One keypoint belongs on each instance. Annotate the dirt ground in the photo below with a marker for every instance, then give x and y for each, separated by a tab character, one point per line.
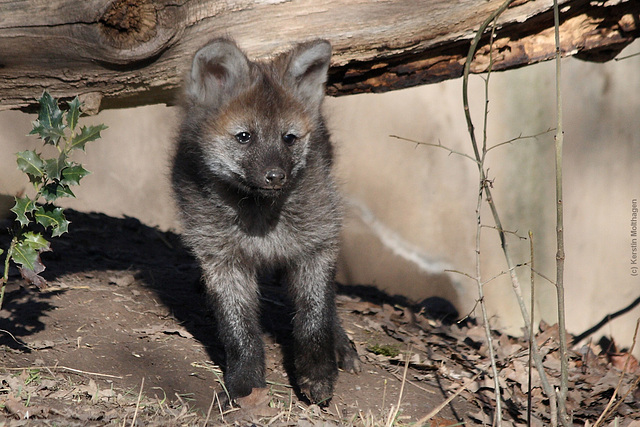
122	336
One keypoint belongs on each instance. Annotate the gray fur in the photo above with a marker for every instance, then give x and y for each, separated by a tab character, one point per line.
261	202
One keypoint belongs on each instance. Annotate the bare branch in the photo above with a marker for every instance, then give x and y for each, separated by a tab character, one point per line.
622	58
439	408
515	233
548	389
520	138
544	277
502	273
531	336
438	145
560	255
460	272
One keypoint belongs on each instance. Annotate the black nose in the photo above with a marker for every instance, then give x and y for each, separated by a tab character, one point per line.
275	178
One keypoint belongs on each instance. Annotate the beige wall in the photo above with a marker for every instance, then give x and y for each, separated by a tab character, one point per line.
412	208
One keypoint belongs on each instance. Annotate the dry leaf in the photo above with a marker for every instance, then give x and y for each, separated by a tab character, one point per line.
618	360
442	422
256	404
163	329
15	407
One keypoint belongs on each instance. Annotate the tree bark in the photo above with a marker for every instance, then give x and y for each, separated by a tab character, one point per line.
123	53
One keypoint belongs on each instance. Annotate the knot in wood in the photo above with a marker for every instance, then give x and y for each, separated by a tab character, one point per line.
128	23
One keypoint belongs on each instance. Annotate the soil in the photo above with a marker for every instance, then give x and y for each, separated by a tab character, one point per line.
122	335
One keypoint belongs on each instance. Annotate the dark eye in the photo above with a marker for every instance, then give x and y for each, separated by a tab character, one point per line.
243	137
289	138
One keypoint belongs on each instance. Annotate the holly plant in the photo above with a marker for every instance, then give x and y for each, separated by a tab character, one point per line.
51	178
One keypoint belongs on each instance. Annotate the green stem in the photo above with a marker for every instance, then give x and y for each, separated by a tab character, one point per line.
5	276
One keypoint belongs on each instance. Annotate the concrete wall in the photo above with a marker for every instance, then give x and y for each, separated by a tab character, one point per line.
412	207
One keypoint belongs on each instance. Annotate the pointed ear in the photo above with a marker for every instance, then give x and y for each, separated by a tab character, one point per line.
307	70
218	70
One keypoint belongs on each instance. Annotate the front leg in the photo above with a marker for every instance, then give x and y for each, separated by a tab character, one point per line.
311	285
234	293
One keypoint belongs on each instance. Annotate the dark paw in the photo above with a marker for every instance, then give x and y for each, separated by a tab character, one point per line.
224	400
346	353
240	381
319	392
348	360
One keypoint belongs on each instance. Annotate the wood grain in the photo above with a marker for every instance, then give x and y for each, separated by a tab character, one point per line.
122	53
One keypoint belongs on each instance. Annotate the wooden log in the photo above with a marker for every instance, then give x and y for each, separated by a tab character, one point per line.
123	53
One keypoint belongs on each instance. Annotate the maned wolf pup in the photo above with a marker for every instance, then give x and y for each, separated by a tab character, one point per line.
252	177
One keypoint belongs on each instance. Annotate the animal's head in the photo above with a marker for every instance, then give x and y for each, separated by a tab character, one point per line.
257	120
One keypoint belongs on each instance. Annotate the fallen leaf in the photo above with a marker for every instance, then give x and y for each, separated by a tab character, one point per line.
443	422
254	405
15	407
40	344
163	329
618	360
122	280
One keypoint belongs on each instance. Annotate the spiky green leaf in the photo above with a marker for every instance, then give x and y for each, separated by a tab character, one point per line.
30	163
23	206
54	167
74	113
87	134
52	217
49	135
73	174
55	190
49	114
25	255
49	125
36	241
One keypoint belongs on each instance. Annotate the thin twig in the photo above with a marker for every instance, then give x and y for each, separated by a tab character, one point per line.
473	309
398	377
213	400
632	387
544	277
461	273
520	138
135	414
502	273
438	145
448	400
622	58
482	186
290	404
16	340
529	374
548	389
560	255
66	368
394	411
515	233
